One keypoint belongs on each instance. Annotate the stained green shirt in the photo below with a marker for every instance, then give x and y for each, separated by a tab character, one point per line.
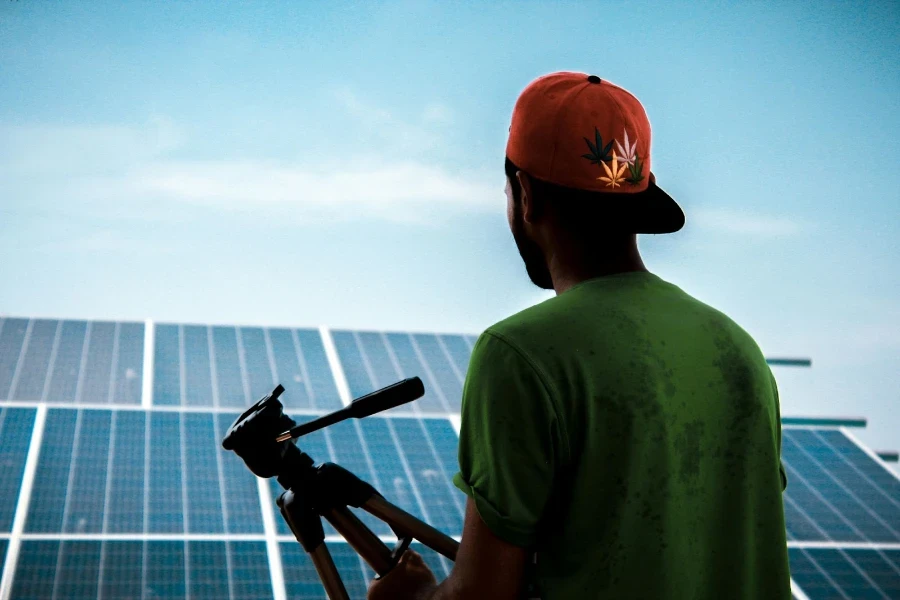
630	435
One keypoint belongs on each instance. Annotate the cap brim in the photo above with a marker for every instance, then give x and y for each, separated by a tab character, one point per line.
653	211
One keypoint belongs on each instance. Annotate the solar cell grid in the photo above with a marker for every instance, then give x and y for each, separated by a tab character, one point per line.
372	360
4	544
182	483
393	475
136	569
443	373
260	378
36	569
197	372
249	570
86	486
845	573
290	368
31	374
351	452
12	337
229	374
458	350
71	361
301	580
202	473
67	363
407	362
166	366
882	510
196	365
441	500
163	570
48	495
164	512
126	495
317	369
15	437
100	364
830	495
129	364
876	472
352	363
121	566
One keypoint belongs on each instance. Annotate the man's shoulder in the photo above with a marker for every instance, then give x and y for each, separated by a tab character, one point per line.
526	326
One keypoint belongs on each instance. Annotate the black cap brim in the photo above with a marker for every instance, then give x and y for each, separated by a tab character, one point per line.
652	211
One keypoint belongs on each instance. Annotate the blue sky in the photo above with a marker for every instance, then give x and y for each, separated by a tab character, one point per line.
341	164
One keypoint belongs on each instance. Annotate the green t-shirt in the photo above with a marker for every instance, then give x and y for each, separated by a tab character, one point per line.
630	435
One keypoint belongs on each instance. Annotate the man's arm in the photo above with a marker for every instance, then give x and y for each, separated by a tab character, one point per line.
486	567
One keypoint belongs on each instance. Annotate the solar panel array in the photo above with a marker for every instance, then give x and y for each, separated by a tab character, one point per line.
114	485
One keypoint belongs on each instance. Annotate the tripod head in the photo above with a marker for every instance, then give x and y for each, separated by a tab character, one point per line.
263	435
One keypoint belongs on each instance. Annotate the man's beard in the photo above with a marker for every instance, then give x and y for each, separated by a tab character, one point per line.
531	253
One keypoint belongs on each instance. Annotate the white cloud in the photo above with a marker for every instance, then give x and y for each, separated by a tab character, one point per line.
392	190
122	171
744	222
83	150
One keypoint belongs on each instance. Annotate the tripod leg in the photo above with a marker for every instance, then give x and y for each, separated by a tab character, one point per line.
306	525
373	550
328	573
404	522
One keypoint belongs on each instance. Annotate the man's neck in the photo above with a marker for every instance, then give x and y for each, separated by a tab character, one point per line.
568	269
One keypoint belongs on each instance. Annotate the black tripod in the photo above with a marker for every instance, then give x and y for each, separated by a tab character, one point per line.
263	438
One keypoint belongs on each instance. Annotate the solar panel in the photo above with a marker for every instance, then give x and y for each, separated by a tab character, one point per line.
130	501
835	495
15	435
196	365
84	362
76	569
169	475
846	572
372	360
12	335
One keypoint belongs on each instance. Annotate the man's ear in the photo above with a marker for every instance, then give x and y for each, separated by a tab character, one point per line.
530	208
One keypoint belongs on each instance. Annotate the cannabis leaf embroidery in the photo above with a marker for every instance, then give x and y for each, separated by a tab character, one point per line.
634	170
599	153
614	175
628	151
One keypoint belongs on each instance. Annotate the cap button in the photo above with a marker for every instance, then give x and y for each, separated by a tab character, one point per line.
593	79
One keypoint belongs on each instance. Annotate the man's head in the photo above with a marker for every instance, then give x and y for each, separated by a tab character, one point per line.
551	222
579	185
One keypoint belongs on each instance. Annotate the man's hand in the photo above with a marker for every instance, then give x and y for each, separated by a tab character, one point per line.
410	579
486	568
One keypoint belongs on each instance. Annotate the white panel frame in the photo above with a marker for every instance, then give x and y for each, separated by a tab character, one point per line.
15	538
797	591
276	569
871	453
334	361
147	369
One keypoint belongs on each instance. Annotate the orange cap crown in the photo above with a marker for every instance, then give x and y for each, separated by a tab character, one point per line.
579	131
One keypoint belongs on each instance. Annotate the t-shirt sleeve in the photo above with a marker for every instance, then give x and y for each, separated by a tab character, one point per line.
778	425
510	442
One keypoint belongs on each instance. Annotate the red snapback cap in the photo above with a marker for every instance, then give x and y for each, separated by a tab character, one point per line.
579	131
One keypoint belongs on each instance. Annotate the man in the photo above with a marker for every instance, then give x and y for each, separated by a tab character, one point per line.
622	439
